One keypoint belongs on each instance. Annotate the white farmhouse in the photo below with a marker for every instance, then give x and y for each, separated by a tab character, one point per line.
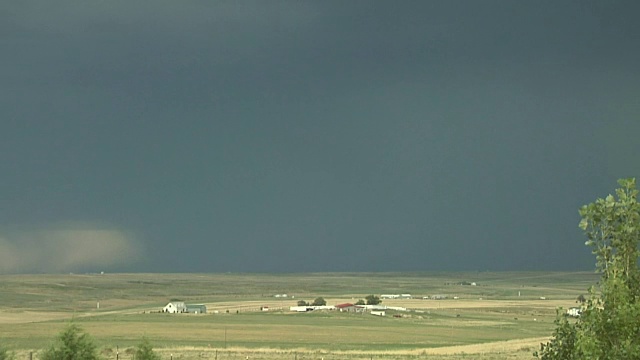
175	307
574	312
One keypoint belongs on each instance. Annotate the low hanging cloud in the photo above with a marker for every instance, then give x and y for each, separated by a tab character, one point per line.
63	248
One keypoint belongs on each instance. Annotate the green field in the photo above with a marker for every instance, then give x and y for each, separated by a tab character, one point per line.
504	313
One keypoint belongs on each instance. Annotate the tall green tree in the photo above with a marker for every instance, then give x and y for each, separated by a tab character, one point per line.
72	344
609	326
319	301
144	351
373	300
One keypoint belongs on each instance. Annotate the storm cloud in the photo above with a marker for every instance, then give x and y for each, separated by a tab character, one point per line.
288	136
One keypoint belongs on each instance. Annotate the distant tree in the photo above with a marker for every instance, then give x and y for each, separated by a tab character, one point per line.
373	300
360	302
302	303
5	354
581	299
607	328
72	344
144	351
319	302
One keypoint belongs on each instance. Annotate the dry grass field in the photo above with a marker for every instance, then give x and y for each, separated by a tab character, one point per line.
503	317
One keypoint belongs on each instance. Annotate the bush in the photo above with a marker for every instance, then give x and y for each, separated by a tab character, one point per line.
5	354
144	351
72	344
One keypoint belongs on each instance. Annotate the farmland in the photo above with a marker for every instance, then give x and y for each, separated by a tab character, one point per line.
505	316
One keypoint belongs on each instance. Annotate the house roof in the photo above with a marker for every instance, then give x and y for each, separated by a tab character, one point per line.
342	306
176	303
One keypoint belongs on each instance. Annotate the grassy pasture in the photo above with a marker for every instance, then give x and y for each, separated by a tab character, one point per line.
502	316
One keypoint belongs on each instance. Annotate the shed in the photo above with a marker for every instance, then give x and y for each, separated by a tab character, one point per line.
300	308
348	307
196	308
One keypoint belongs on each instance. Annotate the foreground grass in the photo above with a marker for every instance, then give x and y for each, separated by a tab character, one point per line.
331	330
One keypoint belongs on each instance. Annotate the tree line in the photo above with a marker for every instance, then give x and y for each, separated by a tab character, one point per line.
320	301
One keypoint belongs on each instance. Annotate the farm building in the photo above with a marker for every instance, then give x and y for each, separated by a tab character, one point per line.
180	307
196	309
175	307
397	308
300	308
348	307
574	312
311	308
395	296
389	296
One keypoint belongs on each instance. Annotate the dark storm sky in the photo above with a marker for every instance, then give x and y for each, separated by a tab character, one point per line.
289	136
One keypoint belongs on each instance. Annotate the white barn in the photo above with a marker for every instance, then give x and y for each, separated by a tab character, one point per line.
175	307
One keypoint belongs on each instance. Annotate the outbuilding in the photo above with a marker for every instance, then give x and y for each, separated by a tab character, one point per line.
196	308
348	307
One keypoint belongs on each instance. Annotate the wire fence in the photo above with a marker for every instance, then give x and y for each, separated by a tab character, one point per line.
227	354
